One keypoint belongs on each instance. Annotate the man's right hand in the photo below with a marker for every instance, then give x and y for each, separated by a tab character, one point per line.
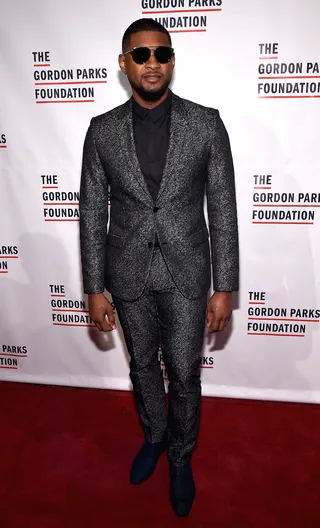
99	307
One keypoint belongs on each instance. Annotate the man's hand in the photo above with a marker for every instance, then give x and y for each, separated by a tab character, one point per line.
99	307
219	311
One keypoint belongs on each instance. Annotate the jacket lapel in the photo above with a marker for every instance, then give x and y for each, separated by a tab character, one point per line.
178	130
126	138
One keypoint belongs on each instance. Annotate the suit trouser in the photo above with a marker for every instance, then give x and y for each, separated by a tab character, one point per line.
162	316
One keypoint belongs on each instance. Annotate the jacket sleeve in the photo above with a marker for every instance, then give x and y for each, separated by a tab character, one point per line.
93	207
222	211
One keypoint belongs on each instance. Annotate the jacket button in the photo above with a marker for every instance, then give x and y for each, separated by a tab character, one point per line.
150	244
155	209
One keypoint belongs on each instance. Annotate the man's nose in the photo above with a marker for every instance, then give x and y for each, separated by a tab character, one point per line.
152	61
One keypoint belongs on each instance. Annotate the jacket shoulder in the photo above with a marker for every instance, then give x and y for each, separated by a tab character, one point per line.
200	116
198	111
111	115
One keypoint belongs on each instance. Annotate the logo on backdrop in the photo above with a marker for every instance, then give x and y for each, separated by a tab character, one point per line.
8	255
58	205
285	80
72	85
206	362
67	311
276	321
10	355
181	16
270	207
3	141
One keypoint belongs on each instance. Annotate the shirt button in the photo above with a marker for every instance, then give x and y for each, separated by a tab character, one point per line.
155	209
150	244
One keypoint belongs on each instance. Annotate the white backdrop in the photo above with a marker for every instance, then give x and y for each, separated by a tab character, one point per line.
254	60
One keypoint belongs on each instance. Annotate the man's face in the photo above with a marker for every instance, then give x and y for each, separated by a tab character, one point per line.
151	79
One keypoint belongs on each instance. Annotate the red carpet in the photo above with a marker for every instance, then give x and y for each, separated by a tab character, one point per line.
66	453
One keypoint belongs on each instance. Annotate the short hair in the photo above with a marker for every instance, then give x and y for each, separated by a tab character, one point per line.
143	24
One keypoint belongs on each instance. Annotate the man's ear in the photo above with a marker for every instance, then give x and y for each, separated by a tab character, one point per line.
122	63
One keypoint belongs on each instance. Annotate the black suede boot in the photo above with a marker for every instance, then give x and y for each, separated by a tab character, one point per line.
182	489
145	461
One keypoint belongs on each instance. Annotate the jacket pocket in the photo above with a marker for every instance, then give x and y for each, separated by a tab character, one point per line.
200	236
115	240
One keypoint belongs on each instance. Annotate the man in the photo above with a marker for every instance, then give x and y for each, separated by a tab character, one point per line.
159	154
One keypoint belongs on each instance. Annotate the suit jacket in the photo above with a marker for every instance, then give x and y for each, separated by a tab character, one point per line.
198	161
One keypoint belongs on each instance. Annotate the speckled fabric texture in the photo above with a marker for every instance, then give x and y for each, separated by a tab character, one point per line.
198	161
162	315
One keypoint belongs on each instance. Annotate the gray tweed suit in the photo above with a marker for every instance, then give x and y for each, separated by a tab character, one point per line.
161	293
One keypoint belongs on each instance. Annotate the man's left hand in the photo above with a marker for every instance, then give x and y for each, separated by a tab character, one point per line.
219	311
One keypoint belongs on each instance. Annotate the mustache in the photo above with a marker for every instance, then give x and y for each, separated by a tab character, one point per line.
152	74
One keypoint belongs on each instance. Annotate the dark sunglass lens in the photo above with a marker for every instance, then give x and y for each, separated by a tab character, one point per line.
141	55
163	54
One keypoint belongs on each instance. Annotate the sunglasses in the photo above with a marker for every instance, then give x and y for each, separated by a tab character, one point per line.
142	54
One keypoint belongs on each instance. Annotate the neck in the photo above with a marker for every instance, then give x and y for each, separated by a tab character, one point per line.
149	104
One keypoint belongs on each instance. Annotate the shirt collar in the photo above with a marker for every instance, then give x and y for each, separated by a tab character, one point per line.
155	113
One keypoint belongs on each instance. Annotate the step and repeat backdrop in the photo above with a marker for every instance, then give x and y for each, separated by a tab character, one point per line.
258	62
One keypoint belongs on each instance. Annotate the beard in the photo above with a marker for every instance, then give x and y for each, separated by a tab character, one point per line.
152	95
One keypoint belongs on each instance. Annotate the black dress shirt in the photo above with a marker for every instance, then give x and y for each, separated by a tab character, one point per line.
151	133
